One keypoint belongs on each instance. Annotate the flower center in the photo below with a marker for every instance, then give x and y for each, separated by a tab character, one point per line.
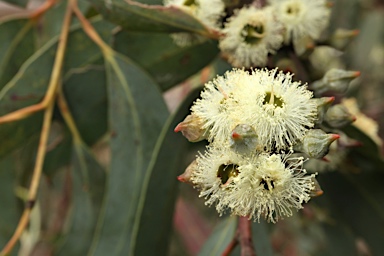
253	34
267	183
227	171
190	3
272	99
293	9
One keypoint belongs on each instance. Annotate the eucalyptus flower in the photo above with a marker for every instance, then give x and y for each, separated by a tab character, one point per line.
264	185
302	19
250	35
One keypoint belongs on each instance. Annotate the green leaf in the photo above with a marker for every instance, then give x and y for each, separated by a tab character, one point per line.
17	37
30	83
137	114
88	184
358	201
168	63
86	96
10	212
369	149
50	24
261	239
136	16
60	147
158	193
220	238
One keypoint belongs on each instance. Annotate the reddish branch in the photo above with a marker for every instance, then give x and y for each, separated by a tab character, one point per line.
243	236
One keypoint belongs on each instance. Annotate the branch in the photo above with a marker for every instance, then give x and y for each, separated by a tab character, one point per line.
243	236
41	151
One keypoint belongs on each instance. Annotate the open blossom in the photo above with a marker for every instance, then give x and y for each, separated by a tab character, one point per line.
218	97
257	186
278	109
302	18
214	172
250	35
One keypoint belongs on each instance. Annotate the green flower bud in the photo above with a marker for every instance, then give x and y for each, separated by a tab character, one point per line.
336	80
323	105
342	37
243	138
315	143
338	116
192	128
303	45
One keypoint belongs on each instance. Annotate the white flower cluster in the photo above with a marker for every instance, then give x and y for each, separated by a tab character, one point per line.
253	121
250	33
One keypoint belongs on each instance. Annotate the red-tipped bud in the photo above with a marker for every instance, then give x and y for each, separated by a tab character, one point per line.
192	128
315	143
186	176
243	138
338	116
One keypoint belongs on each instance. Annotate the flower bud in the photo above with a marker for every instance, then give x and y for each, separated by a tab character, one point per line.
316	191
315	143
303	45
342	37
336	80
192	128
186	176
338	116
323	105
243	138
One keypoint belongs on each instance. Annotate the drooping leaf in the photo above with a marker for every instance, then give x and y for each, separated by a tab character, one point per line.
51	21
137	114
59	148
17	44
168	63
357	200
159	189
220	238
88	184
136	16
369	148
9	215
86	96
30	83
261	239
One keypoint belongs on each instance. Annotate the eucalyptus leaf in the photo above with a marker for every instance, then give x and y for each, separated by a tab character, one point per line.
9	215
168	63
88	184
136	16
17	44
86	94
137	114
29	85
159	189
358	201
220	237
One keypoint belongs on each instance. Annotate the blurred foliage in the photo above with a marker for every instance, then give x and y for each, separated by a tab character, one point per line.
124	205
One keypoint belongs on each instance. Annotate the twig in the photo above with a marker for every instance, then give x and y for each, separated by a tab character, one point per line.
41	151
243	236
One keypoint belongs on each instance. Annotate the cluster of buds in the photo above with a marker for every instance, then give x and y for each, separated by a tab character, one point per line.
261	127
